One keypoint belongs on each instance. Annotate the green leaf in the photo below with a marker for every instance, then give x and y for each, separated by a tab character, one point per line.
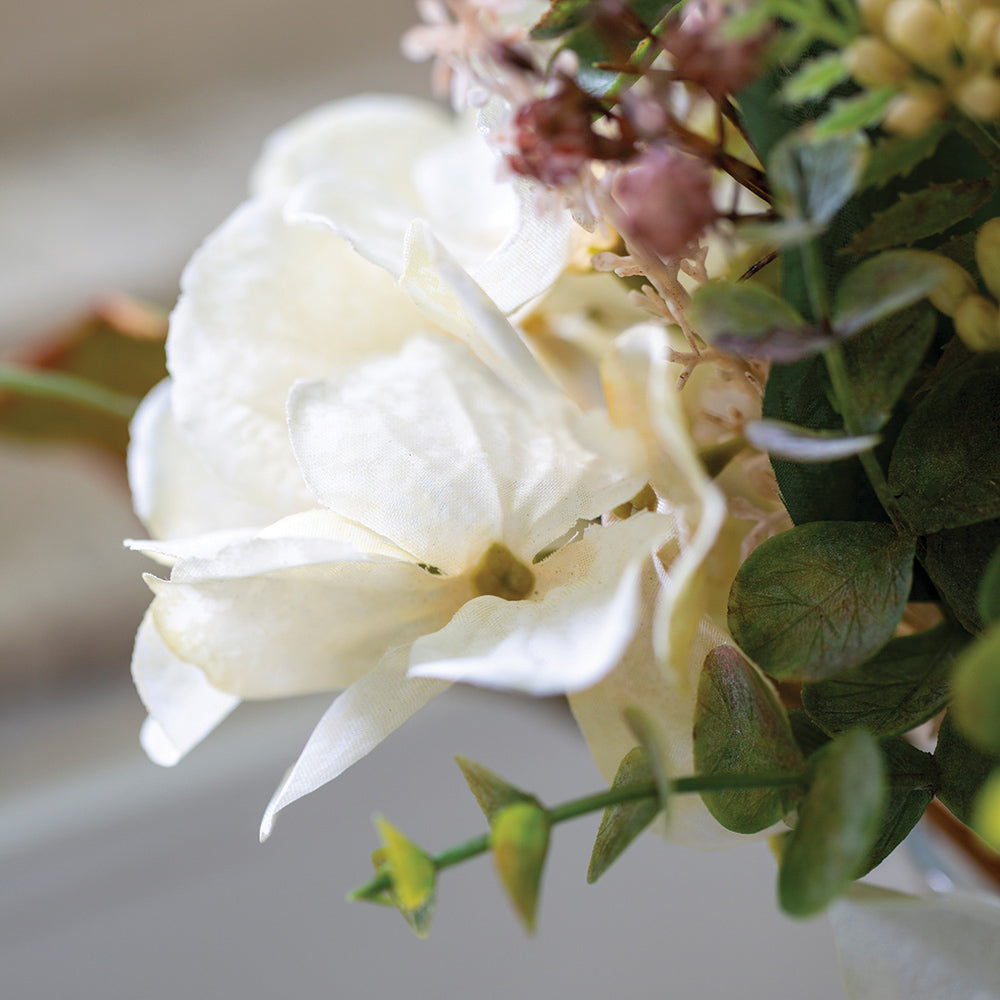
989	589
740	727
821	598
849	114
622	823
413	875
919	214
962	770
883	285
110	357
814	79
744	318
903	685
956	561
646	731
882	359
814	179
491	792
808	735
520	841
986	813
946	464
839	821
800	444
976	691
911	778
896	156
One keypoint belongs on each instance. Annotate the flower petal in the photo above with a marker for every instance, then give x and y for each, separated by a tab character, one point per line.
364	715
569	634
430	449
263	304
276	617
898	947
183	706
175	491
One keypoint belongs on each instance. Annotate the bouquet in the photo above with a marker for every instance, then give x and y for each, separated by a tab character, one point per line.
661	373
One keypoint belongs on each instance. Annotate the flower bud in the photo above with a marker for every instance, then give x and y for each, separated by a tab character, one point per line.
956	285
988	255
912	114
873	64
979	97
983	24
873	12
920	30
976	322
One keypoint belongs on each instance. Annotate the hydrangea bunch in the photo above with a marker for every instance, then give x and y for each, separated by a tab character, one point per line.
659	376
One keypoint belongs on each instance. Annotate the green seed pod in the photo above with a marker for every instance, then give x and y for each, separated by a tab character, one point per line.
912	114
988	255
873	64
920	30
983	24
979	97
872	13
976	322
956	285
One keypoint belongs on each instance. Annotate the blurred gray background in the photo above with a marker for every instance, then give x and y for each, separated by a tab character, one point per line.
128	133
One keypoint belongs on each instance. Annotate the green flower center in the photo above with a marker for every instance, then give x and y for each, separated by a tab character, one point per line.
501	574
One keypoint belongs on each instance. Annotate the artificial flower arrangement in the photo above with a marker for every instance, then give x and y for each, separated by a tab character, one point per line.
663	375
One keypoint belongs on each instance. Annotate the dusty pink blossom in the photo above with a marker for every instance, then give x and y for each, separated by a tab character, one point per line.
702	54
665	200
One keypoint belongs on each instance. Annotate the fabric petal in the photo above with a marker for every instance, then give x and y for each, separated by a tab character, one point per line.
898	947
277	617
364	715
263	304
430	449
569	634
183	706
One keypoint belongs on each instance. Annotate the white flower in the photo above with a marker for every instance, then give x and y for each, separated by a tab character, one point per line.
439	484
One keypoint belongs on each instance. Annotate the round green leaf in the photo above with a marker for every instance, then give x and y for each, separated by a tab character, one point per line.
839	821
821	598
976	691
740	727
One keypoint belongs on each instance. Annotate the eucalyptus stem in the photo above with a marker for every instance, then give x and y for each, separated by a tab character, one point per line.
63	388
836	367
587	804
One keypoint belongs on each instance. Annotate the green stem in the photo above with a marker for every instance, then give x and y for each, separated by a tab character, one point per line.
836	367
64	388
588	804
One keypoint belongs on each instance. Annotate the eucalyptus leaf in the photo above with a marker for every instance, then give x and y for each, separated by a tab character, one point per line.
957	561
491	792
740	727
912	777
808	735
901	686
520	840
976	691
647	732
839	822
883	285
800	444
744	318
986	813
413	875
945	467
622	823
814	180
882	360
989	589
821	598
962	770
917	215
